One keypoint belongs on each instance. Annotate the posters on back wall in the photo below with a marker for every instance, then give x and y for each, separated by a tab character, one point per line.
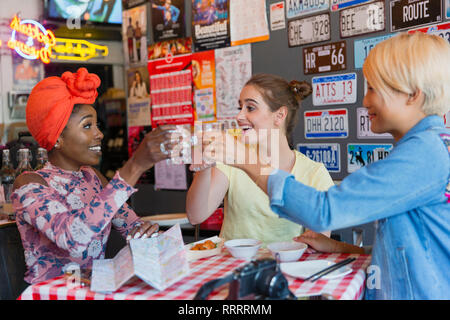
219	27
210	24
138	97
171	90
248	21
169	48
134	35
204	79
233	69
167	19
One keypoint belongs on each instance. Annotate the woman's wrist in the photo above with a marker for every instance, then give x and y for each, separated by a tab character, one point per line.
132	171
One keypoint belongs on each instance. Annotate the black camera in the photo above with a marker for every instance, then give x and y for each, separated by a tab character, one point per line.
257	280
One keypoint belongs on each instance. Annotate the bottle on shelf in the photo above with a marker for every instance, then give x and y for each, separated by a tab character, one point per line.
41	158
7	174
24	162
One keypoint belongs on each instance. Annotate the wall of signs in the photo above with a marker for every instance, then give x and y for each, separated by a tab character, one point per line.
322	41
326	42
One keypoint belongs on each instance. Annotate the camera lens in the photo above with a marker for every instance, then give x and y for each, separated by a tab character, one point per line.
272	284
278	287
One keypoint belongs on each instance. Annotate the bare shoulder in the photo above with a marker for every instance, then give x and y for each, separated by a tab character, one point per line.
102	178
27	178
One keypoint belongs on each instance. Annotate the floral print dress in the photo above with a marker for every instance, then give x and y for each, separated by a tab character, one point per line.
69	220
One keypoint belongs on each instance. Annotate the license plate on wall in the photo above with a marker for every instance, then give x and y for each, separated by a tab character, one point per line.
337	89
362	19
330	123
297	8
325	58
309	30
441	30
363	47
406	14
327	153
341	4
364	126
360	155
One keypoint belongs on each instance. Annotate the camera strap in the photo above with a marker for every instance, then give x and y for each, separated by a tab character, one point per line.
209	286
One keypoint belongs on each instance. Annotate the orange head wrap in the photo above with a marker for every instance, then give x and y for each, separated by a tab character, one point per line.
51	102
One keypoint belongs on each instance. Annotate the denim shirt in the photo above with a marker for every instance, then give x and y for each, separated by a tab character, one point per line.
406	194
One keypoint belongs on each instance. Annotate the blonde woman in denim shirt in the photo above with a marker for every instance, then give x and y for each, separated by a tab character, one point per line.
408	192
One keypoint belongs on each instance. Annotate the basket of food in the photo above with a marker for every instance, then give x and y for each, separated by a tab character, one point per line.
204	248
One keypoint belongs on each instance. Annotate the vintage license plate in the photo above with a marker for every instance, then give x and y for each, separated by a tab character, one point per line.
309	30
447	9
337	89
363	47
406	14
325	58
327	153
298	8
330	123
442	30
341	4
363	126
360	155
362	19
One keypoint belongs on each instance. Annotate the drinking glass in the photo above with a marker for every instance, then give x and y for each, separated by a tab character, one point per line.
200	161
181	154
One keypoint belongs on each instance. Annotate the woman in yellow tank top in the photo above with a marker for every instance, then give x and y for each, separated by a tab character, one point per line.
267	104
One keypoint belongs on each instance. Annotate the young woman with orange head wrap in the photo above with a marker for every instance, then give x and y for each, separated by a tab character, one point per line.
65	211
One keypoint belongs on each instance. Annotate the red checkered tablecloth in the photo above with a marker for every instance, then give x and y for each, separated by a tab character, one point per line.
349	287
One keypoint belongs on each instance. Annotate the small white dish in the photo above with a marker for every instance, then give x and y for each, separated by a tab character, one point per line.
243	248
305	269
288	250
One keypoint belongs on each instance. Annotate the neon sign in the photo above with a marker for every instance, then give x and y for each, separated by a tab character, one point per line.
77	50
34	32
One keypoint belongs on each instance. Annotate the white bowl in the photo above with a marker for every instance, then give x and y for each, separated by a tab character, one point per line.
243	248
288	250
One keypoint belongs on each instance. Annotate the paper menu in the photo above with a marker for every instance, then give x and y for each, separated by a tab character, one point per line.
108	275
168	250
159	261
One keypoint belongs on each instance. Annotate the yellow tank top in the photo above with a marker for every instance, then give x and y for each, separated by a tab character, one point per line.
247	213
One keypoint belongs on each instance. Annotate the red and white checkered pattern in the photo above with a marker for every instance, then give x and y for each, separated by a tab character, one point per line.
348	287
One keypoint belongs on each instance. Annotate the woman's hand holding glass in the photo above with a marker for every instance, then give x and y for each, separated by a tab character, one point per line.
229	148
203	134
182	140
150	150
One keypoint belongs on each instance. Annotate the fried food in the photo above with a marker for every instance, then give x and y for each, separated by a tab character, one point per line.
207	245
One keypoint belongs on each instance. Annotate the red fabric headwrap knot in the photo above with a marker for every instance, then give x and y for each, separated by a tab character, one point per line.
51	102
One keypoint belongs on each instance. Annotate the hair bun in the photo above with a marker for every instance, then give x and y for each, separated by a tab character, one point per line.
301	89
82	83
